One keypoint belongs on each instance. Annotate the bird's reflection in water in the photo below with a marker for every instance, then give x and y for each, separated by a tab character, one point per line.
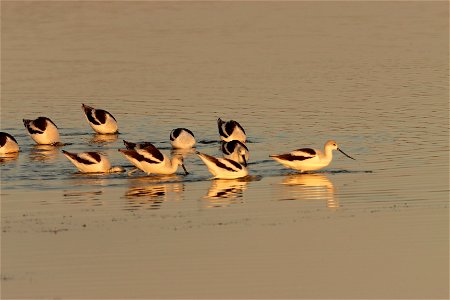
225	192
152	192
44	152
182	152
8	157
87	189
103	138
310	187
87	198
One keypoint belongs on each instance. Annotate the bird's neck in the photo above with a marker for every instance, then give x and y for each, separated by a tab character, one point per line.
328	154
174	163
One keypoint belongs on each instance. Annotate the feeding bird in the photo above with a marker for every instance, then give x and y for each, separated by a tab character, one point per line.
235	150
91	162
182	138
100	120
8	143
146	157
231	130
222	167
42	130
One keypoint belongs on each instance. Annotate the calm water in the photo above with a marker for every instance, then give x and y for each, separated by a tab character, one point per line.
373	76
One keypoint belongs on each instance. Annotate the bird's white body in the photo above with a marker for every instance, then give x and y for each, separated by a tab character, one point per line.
42	130
91	162
182	138
150	160
231	130
100	120
8	143
235	150
307	159
223	168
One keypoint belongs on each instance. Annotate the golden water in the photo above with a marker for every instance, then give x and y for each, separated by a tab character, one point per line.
371	75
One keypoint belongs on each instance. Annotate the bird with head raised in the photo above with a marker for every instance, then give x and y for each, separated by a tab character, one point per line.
42	130
91	162
307	159
100	120
148	158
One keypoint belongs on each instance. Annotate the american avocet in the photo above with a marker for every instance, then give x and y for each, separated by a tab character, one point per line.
231	130
307	159
149	159
235	150
8	143
91	162
222	167
182	138
100	120
42	130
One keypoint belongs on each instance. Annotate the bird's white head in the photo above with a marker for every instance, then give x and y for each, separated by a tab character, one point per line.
332	145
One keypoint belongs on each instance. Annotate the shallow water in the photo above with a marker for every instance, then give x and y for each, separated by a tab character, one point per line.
373	76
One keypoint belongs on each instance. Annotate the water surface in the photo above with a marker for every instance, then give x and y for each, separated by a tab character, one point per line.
371	75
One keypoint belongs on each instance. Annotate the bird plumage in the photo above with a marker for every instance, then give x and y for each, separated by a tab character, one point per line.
182	138
42	130
91	162
235	150
222	167
231	130
8	143
100	120
149	159
307	159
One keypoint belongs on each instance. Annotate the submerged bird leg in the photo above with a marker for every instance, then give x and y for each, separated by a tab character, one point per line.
184	168
132	171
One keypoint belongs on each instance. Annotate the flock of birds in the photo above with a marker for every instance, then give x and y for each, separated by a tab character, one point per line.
149	159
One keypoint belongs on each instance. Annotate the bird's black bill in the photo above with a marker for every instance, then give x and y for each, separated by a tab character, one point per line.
185	171
346	154
245	161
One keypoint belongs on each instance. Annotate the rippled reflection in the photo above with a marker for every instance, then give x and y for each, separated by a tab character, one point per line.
310	187
44	152
152	196
225	192
89	198
103	138
8	157
182	152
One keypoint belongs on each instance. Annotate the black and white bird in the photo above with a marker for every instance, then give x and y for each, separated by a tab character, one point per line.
8	143
146	157
42	130
182	138
231	130
235	150
222	167
307	159
92	162
100	120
